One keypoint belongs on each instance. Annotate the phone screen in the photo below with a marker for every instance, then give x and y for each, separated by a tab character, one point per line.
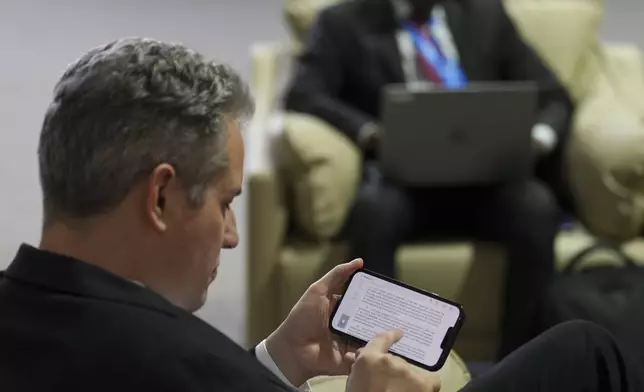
372	304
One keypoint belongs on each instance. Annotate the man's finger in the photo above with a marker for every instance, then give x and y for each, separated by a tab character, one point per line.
351	348
347	346
334	300
338	276
350	358
383	341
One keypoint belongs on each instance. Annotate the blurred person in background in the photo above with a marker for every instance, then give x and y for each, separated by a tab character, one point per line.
141	155
358	47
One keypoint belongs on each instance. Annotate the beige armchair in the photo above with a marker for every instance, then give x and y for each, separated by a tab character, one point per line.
302	171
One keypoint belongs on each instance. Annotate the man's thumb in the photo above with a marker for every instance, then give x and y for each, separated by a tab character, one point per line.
340	273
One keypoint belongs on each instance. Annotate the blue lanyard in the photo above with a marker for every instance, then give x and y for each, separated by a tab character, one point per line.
449	70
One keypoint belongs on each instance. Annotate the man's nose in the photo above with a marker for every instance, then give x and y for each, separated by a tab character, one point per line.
231	237
231	240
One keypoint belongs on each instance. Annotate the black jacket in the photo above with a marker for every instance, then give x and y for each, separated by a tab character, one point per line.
352	53
71	327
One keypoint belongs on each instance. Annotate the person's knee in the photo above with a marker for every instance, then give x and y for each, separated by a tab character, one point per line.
571	346
381	209
533	200
578	332
591	330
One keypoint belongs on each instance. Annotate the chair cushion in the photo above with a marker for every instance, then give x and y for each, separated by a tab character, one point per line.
323	169
607	155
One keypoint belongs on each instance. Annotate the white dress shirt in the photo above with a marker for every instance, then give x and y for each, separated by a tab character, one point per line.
265	359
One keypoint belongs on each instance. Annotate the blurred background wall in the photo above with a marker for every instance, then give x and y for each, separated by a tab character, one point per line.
38	38
623	21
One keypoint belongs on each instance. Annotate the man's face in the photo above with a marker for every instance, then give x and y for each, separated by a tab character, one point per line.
195	236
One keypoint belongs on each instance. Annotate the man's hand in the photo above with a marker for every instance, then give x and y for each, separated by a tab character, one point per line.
303	346
377	371
372	142
369	137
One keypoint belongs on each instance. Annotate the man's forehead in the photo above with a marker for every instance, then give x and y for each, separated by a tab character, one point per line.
235	149
230	182
232	178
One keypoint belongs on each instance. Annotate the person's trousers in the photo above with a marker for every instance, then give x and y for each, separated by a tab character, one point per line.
573	357
523	216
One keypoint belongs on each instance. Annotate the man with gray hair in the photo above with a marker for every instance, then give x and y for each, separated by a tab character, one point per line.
141	156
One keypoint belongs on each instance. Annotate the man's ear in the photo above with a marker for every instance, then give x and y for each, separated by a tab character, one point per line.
160	182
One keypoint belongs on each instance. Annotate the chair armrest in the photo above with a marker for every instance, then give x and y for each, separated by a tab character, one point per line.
266	212
323	169
267	219
605	154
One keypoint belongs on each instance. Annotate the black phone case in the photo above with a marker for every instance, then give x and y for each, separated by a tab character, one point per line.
448	341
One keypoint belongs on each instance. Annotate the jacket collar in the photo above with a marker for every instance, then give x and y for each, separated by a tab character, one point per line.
402	9
67	275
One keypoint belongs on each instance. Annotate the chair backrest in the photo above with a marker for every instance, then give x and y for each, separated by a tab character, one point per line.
565	34
300	15
562	31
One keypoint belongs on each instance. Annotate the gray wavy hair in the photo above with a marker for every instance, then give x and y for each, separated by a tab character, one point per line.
124	108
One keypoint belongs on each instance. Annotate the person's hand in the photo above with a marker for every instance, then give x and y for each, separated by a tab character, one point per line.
372	142
375	370
369	137
303	346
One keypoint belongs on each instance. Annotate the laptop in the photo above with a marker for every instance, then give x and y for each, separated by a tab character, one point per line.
474	136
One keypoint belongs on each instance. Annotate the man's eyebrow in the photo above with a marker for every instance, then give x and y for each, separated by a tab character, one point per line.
232	193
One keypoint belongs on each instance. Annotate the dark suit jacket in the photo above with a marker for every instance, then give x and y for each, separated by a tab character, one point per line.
352	53
69	326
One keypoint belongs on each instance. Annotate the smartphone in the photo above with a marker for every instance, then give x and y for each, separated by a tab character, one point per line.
373	303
